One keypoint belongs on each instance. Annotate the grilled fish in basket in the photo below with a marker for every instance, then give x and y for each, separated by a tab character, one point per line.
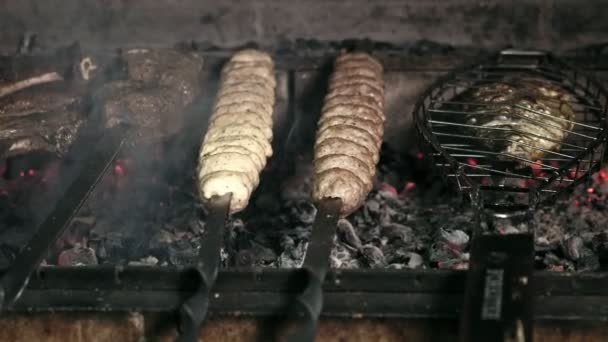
519	118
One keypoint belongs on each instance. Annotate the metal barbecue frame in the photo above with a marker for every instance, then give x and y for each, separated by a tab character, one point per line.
271	292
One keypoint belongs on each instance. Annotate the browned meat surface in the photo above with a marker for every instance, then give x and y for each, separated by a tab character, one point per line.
238	139
350	132
160	84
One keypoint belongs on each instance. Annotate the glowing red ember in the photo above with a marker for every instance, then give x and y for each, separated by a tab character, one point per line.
472	161
590	190
388	188
603	174
409	186
419	155
119	169
536	168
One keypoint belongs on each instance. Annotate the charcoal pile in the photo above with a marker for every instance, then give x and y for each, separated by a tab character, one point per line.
411	220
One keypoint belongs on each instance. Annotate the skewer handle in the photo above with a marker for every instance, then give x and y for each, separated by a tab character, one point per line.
194	310
316	263
498	296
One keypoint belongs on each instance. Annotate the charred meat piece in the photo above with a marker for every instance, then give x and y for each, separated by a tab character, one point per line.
239	136
43	118
160	84
520	118
350	132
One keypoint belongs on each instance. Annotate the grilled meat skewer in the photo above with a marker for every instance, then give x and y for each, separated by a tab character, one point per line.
238	139
350	132
520	118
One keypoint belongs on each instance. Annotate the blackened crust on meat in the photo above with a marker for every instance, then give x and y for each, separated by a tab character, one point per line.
160	84
43	118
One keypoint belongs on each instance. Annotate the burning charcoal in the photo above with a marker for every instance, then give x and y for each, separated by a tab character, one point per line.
147	261
304	211
196	225
368	231
342	257
555	263
161	239
573	247
287	242
397	231
372	205
456	239
542	244
100	249
588	261
415	261
385	218
182	253
388	193
348	234
244	258
293	257
77	256
396	266
299	232
46	118
449	256
263	255
373	256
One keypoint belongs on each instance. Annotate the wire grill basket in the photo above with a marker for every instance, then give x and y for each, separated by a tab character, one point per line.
473	156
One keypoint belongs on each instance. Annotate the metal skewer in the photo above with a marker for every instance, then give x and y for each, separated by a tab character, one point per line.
194	310
309	302
17	277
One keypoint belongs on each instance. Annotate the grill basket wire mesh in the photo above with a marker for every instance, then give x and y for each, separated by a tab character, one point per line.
494	180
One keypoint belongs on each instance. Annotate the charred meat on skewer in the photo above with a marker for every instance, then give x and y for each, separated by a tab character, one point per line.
44	118
520	117
159	84
43	102
350	132
239	135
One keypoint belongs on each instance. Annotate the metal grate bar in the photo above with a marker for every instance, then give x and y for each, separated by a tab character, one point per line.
447	123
